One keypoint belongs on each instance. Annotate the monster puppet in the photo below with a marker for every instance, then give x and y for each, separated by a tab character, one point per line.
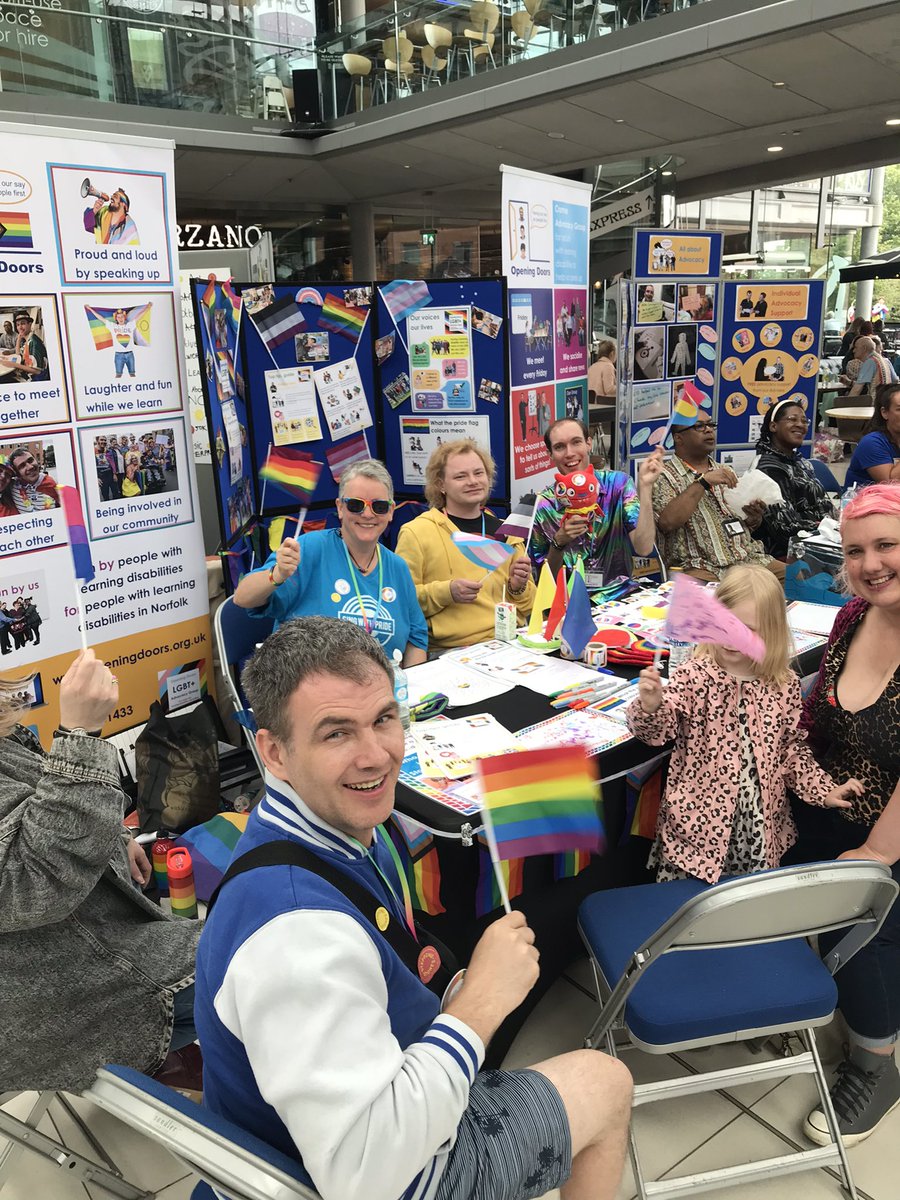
577	493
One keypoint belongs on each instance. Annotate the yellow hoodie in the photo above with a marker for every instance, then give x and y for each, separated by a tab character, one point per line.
433	560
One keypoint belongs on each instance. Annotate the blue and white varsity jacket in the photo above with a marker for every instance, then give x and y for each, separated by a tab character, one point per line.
315	1036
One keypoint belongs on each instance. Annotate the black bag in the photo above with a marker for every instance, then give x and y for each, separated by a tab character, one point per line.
177	769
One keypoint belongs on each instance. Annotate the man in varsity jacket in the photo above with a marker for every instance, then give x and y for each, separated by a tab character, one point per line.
331	1027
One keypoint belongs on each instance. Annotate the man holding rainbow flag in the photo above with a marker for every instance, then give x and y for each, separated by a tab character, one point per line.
333	1027
697	531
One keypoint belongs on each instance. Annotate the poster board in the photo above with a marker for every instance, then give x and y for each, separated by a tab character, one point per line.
545	240
95	397
461	330
672	332
771	336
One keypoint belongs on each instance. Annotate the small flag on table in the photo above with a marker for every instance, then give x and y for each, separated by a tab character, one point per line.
78	538
539	802
402	297
293	470
578	625
518	523
483	551
559	605
342	318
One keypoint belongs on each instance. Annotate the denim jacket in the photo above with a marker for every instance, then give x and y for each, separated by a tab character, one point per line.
88	966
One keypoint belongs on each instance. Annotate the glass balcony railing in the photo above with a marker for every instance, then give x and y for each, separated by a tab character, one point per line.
237	59
399	50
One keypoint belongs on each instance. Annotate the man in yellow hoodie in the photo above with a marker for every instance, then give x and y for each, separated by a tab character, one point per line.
457	597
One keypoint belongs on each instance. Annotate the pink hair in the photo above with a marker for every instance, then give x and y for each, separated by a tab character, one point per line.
876	500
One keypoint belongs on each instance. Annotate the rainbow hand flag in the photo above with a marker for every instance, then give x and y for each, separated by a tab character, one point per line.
482	551
540	802
293	470
340	317
78	538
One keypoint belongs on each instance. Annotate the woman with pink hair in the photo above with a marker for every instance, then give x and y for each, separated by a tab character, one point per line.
853	718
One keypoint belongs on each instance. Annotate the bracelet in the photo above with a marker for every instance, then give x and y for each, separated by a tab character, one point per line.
555	544
274	582
518	591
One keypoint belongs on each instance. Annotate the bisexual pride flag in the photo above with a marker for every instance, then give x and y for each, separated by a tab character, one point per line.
540	802
78	538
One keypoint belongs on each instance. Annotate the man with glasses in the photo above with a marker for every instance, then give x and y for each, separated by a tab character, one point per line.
698	533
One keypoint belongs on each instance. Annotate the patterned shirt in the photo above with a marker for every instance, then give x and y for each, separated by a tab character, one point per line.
702	543
606	547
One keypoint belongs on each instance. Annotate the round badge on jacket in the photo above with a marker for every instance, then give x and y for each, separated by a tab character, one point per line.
429	962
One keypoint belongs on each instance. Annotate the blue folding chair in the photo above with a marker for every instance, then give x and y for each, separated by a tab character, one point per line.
236	1163
681	965
237	635
825	476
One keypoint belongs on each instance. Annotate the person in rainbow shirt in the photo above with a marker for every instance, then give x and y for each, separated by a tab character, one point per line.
109	221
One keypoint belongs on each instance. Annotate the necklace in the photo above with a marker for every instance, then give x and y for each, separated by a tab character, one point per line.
363	570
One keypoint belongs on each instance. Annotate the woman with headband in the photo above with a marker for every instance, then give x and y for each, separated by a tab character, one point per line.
804	502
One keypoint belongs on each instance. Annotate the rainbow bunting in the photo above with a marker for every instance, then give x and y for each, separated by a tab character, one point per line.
541	801
78	538
15	231
482	551
570	864
293	470
342	318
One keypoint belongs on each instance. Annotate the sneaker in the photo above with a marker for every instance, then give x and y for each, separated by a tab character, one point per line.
183	1071
866	1089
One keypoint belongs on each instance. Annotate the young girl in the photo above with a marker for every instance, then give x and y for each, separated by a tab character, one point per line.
737	745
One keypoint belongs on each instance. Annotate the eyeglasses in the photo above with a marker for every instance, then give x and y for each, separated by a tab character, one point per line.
380	508
704	425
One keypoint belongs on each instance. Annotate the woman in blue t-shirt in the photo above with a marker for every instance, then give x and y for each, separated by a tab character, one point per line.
877	457
346	572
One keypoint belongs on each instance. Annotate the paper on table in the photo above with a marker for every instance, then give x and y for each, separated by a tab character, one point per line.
811	618
460	684
448	749
517	667
584	727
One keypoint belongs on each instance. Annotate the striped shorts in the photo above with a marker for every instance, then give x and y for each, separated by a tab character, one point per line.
513	1141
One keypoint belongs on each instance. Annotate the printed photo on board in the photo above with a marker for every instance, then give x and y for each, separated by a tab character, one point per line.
649	351
129	465
26	483
20	625
655	302
696	302
681	351
23	350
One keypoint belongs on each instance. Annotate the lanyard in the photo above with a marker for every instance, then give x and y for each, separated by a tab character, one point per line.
362	610
406	903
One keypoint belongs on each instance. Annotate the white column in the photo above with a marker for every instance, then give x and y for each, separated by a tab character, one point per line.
869	243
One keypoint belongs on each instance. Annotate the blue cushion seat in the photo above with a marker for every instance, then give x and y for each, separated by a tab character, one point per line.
216	1124
693	995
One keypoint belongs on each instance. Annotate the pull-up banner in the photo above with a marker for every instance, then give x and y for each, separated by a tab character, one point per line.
545	260
92	396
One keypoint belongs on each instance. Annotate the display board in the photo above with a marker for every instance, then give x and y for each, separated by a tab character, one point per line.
771	335
304	377
672	331
93	397
441	350
546	243
218	316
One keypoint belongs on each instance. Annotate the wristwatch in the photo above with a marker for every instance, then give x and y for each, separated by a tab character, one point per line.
78	731
556	546
704	482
